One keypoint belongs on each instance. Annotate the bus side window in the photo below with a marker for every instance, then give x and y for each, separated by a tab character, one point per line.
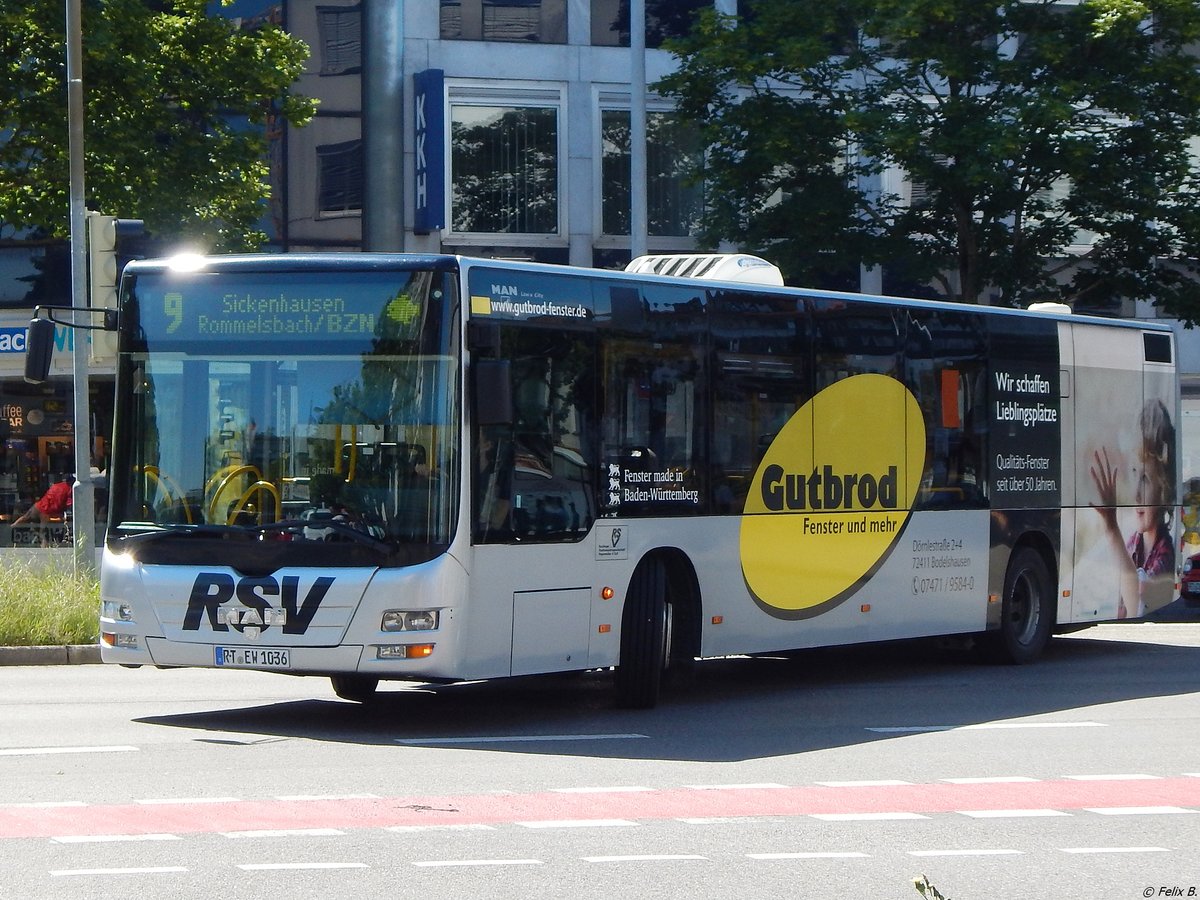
760	378
945	356
535	479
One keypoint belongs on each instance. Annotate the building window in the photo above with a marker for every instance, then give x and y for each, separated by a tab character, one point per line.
673	150
533	21
340	29
504	169
665	19
340	179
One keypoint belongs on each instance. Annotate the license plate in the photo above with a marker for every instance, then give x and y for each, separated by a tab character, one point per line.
1192	587
253	657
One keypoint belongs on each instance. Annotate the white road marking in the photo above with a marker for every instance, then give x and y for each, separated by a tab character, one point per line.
766	785
276	867
111	838
578	823
519	738
162	801
649	857
299	798
979	852
50	751
1011	813
480	862
998	779
1114	850
1112	777
1139	810
865	817
284	832
45	804
602	790
825	855
720	820
916	729
852	784
148	870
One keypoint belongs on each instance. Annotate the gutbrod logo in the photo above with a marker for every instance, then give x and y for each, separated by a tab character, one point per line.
832	495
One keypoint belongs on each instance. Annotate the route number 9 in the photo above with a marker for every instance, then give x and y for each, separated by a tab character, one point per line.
173	307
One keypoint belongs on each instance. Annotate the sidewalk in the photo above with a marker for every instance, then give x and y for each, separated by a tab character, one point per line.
61	655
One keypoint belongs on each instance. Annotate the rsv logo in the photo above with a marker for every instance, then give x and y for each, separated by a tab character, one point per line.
212	590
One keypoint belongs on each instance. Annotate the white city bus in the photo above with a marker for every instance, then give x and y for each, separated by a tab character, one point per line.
434	468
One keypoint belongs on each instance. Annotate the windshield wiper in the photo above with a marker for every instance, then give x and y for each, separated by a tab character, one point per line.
256	532
155	532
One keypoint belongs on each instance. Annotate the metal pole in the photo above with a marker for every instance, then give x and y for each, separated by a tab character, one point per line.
638	241
383	124
82	496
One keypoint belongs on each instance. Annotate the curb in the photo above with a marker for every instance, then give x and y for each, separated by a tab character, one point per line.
68	654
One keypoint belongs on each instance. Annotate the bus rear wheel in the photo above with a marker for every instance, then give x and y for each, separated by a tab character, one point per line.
1027	611
645	638
357	688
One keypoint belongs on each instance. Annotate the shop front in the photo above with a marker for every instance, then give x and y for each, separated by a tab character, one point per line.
37	441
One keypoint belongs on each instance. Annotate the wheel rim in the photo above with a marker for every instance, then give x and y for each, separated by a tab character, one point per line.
1026	608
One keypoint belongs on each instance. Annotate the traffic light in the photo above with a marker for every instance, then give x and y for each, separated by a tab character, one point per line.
108	249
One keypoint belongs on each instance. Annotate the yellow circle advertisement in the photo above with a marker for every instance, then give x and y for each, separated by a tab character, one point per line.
832	495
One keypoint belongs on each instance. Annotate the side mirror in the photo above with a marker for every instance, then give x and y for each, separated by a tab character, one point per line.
39	348
492	383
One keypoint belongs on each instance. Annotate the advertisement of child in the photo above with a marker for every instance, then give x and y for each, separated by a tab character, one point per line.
1148	555
1126	480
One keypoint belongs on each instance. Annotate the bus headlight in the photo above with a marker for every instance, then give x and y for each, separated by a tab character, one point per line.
403	651
116	611
409	620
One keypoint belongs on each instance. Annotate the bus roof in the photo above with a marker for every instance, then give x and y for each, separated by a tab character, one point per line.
353	261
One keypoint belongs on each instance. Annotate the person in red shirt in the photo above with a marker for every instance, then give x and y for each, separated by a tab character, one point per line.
52	505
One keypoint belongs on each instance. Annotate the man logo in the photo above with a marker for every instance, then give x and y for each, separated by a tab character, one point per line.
832	495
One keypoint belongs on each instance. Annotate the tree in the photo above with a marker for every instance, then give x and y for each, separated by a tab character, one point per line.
1048	144
177	103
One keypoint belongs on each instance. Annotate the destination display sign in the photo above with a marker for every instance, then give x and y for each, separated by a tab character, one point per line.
353	309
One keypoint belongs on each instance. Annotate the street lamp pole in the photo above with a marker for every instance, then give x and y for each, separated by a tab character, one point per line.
638	241
82	496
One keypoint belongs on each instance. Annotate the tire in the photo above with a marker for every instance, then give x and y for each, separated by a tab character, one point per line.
357	688
645	636
1027	611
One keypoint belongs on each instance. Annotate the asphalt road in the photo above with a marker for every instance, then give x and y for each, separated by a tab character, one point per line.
826	774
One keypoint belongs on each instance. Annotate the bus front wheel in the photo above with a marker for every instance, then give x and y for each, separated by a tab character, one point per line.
358	688
645	638
1027	611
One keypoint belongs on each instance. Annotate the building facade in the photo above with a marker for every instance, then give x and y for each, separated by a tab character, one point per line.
492	127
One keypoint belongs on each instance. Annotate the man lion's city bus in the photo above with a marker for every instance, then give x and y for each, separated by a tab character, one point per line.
425	467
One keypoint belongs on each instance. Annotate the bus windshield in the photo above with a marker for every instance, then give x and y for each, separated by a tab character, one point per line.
299	409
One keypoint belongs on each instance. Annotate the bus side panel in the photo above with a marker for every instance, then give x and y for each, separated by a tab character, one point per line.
934	581
537	608
1126	478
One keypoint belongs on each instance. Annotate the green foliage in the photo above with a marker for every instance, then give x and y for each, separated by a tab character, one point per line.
176	107
46	605
1029	124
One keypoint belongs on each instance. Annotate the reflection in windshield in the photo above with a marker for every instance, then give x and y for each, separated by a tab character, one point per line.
323	446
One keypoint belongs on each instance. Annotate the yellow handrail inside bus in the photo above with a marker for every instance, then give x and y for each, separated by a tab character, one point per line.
165	482
250	492
223	479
